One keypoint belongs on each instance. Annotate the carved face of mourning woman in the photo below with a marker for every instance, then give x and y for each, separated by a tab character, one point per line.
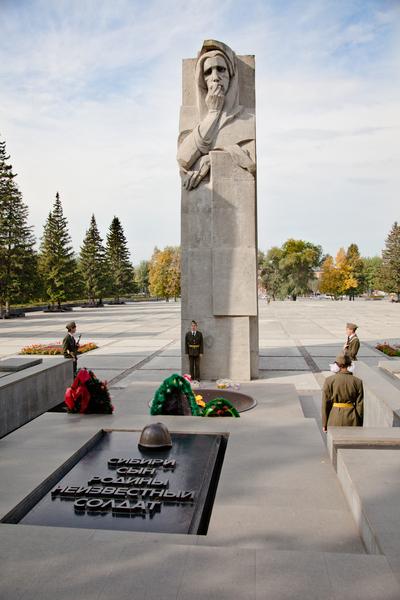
216	75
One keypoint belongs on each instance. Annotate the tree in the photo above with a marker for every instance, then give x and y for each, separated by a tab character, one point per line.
57	263
331	278
348	281
165	273
337	276
270	273
174	272
18	280
92	263
122	274
356	265
142	277
390	270
371	269
297	264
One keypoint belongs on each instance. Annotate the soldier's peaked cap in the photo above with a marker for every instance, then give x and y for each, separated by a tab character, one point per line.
343	360
352	326
70	325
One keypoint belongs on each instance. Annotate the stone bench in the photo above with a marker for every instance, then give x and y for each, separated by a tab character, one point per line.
381	398
28	393
366	461
392	367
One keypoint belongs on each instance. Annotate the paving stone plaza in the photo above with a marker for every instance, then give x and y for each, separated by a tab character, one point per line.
282	525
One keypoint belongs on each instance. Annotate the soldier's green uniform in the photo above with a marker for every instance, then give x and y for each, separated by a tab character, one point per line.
194	347
70	345
352	344
342	398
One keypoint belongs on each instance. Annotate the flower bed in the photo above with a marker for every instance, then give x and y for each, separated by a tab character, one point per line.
55	349
388	349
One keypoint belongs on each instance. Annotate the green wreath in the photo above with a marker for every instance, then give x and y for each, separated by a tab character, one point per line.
174	383
220	407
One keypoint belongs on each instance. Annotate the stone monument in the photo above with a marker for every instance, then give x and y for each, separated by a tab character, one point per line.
217	160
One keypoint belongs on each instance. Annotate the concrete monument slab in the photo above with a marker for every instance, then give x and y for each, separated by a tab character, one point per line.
216	155
15	364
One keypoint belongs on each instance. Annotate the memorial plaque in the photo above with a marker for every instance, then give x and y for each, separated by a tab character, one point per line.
18	364
117	486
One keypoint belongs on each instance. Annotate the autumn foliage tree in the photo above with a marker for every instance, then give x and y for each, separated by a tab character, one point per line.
165	273
338	277
331	280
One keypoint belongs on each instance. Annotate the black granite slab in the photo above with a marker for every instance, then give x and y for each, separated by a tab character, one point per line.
117	486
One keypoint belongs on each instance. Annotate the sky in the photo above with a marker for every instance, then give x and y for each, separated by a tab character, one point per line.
90	92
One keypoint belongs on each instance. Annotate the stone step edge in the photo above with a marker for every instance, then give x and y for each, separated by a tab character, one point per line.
366	531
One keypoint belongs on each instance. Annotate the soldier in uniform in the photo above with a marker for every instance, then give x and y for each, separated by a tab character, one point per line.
70	345
352	344
194	348
342	397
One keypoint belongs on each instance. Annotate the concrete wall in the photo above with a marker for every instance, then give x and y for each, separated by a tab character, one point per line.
31	392
381	399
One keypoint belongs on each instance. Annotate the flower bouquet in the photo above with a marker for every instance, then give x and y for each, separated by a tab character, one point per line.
225	384
88	394
199	400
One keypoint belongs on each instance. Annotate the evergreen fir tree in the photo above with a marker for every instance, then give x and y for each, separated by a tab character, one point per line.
121	272
92	263
17	256
390	272
57	262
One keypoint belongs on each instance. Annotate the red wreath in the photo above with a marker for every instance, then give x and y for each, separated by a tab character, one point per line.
77	396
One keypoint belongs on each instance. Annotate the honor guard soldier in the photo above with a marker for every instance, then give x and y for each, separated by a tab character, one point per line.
70	345
352	344
342	397
194	348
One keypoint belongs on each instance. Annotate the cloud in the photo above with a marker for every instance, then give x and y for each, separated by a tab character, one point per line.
89	105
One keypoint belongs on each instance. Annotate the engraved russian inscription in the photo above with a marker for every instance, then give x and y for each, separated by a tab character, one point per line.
116	485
